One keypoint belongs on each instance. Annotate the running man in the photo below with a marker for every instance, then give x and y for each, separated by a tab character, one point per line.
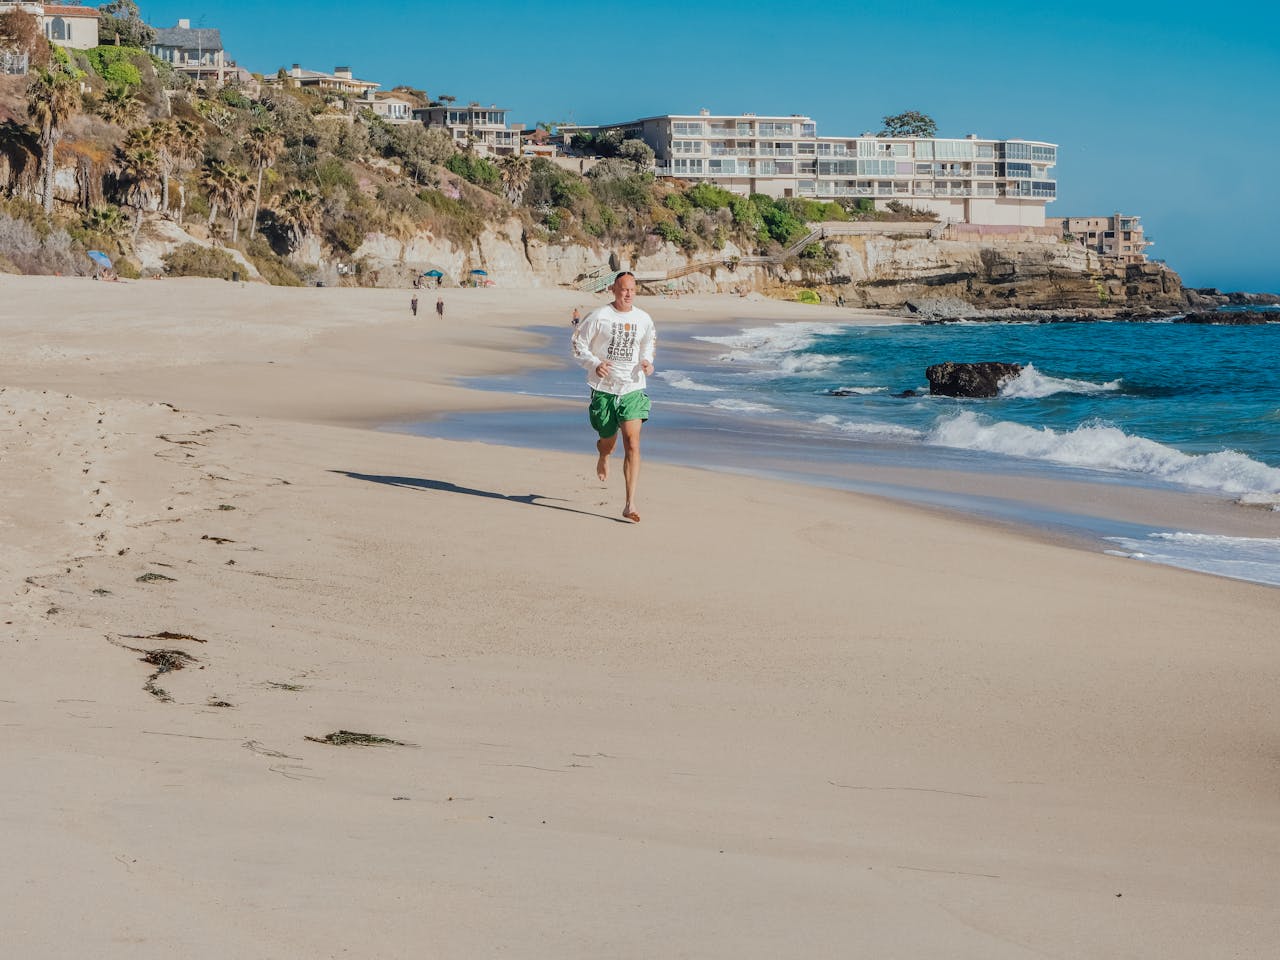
616	344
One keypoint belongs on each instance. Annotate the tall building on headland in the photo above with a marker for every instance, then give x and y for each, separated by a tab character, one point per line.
1114	236
969	180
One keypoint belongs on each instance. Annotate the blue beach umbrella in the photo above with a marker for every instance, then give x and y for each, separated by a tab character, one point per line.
100	258
433	273
482	273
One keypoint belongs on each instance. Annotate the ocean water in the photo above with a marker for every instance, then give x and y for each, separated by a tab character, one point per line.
1181	407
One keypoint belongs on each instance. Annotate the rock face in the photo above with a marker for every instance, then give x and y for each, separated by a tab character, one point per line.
969	278
970	379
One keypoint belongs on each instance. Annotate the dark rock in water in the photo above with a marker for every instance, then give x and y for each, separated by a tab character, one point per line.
970	379
843	392
1232	318
906	393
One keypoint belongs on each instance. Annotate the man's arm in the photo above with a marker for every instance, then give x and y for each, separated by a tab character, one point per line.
580	344
648	348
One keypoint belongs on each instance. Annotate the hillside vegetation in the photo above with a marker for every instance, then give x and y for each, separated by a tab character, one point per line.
287	177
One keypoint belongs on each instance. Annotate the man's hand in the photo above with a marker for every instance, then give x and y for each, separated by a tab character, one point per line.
647	367
604	370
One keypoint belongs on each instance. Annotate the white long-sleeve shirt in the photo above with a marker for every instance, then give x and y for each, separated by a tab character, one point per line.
626	340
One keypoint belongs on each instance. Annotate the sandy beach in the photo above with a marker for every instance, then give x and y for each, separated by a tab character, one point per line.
770	720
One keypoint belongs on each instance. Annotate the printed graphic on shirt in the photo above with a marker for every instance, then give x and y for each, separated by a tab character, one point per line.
622	345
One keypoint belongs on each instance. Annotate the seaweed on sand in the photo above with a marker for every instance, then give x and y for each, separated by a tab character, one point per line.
347	738
166	661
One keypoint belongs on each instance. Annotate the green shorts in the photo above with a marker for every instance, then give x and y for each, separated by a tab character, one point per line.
607	410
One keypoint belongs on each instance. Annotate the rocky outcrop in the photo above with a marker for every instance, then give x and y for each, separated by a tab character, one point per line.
1210	298
1232	318
970	379
968	278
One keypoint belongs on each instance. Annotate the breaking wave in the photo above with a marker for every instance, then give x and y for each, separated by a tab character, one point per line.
1031	384
1102	446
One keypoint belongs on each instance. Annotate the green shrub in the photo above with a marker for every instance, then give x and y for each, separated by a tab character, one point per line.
677	203
116	65
671	233
707	196
232	97
476	170
193	260
332	172
783	227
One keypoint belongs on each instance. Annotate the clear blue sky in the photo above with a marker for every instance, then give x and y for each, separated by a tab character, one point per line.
1169	110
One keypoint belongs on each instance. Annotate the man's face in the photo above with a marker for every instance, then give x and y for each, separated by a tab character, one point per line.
624	291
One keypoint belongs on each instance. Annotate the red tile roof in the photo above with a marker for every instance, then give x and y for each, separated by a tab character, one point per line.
69	10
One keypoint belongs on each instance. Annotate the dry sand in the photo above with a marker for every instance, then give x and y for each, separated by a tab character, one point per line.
769	721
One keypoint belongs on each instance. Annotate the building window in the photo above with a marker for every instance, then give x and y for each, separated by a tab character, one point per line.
808	130
687	129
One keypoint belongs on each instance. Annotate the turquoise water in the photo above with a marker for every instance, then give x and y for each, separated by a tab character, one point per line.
1192	405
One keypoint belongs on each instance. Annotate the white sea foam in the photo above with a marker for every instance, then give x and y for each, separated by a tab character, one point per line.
779	348
1099	445
681	380
1242	558
864	429
854	391
780	338
1032	384
742	406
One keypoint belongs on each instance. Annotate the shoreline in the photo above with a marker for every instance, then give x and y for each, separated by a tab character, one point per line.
767	708
1088	509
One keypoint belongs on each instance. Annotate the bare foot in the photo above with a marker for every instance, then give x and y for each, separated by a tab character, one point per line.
629	512
602	466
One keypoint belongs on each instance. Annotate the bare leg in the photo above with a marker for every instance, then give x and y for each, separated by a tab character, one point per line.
604	446
631	465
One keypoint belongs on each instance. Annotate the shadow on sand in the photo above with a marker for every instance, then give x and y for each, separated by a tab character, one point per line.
418	483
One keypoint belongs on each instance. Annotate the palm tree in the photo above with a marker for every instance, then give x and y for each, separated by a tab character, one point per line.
164	137
517	170
119	105
300	209
139	164
263	147
239	193
52	98
216	179
188	151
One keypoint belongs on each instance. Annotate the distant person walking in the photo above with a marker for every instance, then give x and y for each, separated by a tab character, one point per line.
413	304
577	316
440	307
615	344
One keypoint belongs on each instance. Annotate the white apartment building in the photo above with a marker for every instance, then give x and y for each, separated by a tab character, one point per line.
969	180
